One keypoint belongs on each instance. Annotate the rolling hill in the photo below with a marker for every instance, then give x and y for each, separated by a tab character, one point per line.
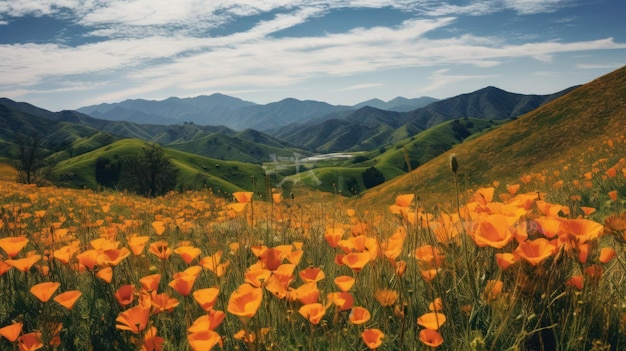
554	135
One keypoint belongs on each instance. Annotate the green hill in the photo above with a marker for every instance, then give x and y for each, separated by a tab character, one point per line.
556	134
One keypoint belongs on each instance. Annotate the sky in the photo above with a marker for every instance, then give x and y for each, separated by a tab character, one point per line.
65	54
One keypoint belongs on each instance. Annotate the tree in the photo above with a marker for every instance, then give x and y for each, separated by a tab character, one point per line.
108	171
151	172
30	160
372	177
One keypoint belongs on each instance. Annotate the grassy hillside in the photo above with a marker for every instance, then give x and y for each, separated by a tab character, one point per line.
554	136
194	171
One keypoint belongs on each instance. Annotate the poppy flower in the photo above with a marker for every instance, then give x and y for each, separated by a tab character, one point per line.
432	320
24	264
277	197
493	289
576	281
105	274
159	227
188	253
4	267
392	248
206	298
273	257
150	282
243	197
582	229
183	283
65	253
428	255
30	341
343	300
44	291
372	338
209	321
204	340
493	230
613	195
400	268
112	257
256	277
386	297
512	189
356	260
13	245
162	302
68	298
436	305
137	244
152	342
160	249
211	262
312	275
245	301
505	260
359	315
431	337
88	258
333	235
587	210
307	293
428	274
11	331
606	254
134	319
313	312
125	295
535	251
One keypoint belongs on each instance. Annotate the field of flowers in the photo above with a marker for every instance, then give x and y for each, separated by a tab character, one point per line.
537	264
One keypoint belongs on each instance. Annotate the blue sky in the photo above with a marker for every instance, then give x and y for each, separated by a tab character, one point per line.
64	54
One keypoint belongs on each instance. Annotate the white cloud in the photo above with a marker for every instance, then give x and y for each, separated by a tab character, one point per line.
360	86
440	79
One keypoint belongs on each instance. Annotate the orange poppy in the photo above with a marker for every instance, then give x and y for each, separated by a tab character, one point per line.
582	230
134	319
105	274
333	235
313	312
44	291
211	262
4	267
206	298
493	230
65	253
277	198
137	244
159	227
432	320
392	248
112	257
549	227
183	283
587	210
162	302
243	197
256	277
160	249
343	300
125	295
512	189
30	341
88	258
273	257
505	260
431	337
152	342
13	245
68	298
150	282
576	281
428	274
209	321
436	305
307	293
312	275
493	289
295	256
344	282
372	338
188	253
535	251
400	267
359	315
356	260
428	255
245	301
24	264
613	195
606	254
204	340
12	331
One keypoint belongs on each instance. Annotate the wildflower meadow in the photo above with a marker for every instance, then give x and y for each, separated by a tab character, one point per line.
533	263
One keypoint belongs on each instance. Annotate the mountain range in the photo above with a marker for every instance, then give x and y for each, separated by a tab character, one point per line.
228	157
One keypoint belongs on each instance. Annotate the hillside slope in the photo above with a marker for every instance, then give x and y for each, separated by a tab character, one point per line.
555	134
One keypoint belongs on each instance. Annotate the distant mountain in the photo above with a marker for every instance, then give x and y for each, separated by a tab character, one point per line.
553	136
216	109
398	104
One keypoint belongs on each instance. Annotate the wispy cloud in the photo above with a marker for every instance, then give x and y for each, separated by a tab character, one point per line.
440	79
359	86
